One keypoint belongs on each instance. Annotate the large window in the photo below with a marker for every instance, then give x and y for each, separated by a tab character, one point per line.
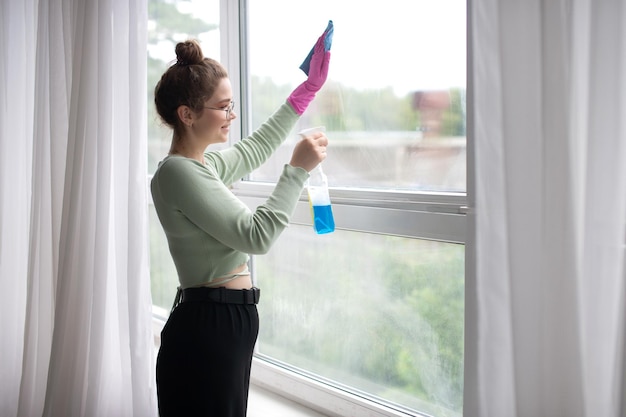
371	314
376	308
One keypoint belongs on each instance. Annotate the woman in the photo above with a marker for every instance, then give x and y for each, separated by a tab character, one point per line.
203	365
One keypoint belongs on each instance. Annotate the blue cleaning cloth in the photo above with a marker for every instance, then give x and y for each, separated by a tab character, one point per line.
328	41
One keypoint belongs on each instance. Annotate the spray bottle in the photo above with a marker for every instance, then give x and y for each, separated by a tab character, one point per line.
319	197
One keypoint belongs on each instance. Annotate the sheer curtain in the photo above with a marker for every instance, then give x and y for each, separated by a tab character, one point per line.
549	85
74	270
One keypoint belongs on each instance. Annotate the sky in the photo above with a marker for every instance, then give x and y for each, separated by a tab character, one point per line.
408	45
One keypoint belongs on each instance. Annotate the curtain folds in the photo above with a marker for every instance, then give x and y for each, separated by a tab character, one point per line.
73	210
549	83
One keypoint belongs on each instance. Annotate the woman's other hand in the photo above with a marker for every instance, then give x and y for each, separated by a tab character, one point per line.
310	151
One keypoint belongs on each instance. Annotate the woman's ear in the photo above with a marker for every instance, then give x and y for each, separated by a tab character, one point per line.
185	114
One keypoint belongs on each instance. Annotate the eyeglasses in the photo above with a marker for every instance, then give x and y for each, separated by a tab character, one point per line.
228	109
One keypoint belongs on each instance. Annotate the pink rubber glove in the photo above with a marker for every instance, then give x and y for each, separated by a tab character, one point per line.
305	92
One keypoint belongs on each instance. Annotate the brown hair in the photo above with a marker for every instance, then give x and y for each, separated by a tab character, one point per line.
190	81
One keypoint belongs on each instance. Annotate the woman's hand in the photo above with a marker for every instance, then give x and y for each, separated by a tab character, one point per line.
310	151
317	74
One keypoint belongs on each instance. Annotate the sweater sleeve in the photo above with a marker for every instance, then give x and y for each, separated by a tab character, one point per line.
248	154
199	196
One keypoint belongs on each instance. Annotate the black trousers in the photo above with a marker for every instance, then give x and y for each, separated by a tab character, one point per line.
203	365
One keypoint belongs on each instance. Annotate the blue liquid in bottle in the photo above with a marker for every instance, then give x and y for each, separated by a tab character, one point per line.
319	200
323	221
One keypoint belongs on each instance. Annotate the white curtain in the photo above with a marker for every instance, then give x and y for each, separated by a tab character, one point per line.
74	271
549	88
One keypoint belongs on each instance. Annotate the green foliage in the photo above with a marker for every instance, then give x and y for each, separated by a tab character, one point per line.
385	316
169	23
167	26
343	109
267	97
372	110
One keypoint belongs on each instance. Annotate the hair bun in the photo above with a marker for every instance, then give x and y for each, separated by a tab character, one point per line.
189	53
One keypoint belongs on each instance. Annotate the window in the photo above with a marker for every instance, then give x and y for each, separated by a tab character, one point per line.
372	314
376	308
395	101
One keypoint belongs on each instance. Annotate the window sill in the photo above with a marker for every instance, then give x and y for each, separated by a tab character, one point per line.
315	395
264	403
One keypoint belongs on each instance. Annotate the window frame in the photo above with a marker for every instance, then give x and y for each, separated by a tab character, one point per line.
432	216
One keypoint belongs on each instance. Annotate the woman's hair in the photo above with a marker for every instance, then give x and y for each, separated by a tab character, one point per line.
190	81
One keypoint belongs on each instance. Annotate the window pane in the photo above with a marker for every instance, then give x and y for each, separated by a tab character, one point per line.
380	314
163	277
170	22
394	103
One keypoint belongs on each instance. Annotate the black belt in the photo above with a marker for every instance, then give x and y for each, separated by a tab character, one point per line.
221	295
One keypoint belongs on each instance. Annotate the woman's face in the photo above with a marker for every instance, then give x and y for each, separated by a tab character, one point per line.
213	123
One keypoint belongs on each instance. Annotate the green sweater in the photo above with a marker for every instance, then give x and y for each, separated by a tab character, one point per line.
209	230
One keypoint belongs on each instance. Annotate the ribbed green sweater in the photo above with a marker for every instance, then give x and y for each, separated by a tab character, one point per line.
209	230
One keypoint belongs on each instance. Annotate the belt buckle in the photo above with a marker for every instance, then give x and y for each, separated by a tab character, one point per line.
256	293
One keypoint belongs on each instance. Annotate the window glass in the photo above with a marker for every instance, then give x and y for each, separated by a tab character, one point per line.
163	276
380	314
170	22
394	103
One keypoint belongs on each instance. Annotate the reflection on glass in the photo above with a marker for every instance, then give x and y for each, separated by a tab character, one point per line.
394	104
380	314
